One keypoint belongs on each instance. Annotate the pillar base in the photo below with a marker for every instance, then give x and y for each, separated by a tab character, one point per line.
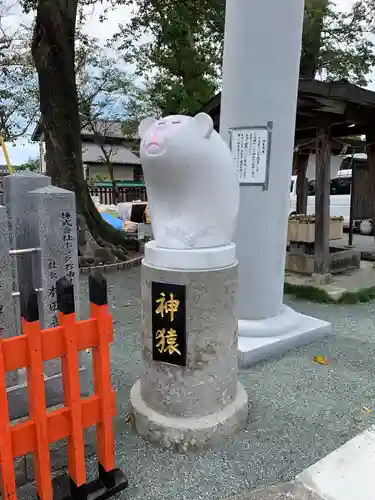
263	339
183	434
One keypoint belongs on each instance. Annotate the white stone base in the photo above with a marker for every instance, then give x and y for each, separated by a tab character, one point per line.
263	339
345	474
195	259
182	434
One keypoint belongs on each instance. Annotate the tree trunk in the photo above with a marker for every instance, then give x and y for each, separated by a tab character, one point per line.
100	141
54	54
115	192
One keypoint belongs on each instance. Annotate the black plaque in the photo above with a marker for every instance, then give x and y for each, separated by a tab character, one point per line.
169	323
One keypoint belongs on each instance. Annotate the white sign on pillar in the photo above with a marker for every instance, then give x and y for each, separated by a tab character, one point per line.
251	149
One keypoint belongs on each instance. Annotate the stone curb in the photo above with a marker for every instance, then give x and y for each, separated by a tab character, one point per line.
345	474
281	491
368	256
128	264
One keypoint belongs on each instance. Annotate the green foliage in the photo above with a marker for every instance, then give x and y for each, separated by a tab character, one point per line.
99	178
180	61
103	84
32	164
103	88
308	292
316	294
315	13
177	49
347	50
18	83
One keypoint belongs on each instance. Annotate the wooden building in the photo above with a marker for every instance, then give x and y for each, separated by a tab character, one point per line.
108	135
325	111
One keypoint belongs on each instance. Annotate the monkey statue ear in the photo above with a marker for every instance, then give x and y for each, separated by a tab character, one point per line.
205	124
145	124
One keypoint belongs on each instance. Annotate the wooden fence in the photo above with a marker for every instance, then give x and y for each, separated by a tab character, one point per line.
106	194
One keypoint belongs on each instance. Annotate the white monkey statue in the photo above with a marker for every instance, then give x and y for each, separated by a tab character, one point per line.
191	180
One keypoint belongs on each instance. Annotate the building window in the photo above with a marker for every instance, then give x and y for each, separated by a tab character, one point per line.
338	186
138	174
311	188
341	186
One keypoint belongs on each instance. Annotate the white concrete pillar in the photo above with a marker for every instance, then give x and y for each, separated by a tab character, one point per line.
260	83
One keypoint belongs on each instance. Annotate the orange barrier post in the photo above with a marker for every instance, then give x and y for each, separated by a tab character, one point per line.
71	388
110	477
102	370
36	392
29	350
8	483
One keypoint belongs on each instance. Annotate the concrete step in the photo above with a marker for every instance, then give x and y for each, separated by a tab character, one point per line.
345	474
284	491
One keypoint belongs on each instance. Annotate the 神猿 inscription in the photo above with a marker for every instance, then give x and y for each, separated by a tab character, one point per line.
169	323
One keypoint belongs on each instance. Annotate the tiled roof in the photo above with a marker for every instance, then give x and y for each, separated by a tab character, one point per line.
92	153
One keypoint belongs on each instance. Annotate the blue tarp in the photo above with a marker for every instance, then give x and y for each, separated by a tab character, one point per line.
114	221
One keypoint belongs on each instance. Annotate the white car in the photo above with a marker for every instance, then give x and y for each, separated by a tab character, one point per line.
339	199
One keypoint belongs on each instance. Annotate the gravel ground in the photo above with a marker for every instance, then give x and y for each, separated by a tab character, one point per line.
300	410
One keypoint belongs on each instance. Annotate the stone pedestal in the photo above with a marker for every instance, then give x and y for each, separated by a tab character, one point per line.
192	406
259	96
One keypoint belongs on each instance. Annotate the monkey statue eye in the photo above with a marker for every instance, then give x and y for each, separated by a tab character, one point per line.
175	123
162	123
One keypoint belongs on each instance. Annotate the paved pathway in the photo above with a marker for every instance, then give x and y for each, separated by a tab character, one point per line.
352	281
300	410
363	243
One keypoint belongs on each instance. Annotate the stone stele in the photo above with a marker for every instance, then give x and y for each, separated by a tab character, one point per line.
196	403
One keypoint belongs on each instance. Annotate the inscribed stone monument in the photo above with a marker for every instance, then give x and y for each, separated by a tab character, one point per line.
16	189
43	218
8	320
8	315
56	236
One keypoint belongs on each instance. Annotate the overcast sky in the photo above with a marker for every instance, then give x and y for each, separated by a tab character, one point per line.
23	149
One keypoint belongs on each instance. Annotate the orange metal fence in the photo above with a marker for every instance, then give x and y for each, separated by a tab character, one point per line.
29	351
